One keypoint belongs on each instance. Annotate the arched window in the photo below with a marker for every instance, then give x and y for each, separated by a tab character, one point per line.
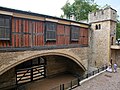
96	27
99	26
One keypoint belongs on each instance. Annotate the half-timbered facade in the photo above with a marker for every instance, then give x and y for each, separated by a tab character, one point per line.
77	49
30	33
21	30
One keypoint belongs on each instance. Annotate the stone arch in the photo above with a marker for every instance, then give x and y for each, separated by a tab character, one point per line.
34	54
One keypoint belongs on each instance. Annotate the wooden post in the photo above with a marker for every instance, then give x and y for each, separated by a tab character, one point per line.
78	81
31	74
71	85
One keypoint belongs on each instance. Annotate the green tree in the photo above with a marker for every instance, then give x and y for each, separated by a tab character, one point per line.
80	9
118	30
67	9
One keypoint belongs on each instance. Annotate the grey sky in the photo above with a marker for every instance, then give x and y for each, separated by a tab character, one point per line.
49	7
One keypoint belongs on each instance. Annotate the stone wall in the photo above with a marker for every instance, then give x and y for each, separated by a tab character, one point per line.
72	60
83	54
59	64
101	45
11	59
116	56
102	15
8	78
103	34
55	65
113	32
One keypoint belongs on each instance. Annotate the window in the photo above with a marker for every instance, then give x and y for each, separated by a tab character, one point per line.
50	31
4	28
75	33
102	12
98	27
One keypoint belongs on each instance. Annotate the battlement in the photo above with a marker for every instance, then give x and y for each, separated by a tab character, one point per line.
103	15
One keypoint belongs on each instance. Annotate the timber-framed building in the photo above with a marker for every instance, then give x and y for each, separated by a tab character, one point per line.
35	46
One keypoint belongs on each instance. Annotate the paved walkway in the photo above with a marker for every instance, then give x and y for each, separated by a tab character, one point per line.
105	81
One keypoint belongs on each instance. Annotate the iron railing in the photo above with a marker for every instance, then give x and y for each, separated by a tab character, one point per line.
76	82
66	86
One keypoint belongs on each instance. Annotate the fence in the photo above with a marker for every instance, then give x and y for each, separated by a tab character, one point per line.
76	82
67	86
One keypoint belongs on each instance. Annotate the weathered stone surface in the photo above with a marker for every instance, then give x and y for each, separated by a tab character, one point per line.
82	53
102	15
102	36
11	59
116	56
74	60
57	64
8	78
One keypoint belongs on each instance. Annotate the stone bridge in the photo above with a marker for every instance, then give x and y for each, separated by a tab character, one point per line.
9	60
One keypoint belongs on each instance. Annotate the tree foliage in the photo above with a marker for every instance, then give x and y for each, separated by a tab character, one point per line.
80	9
118	30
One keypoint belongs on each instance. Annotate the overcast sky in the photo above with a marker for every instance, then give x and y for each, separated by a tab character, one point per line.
50	7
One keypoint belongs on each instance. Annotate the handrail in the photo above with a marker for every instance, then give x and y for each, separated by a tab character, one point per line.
72	84
78	80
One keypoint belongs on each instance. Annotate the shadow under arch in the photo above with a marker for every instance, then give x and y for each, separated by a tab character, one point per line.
27	57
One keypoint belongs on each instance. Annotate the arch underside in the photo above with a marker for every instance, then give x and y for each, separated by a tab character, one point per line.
21	57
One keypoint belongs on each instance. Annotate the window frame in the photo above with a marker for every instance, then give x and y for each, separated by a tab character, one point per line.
6	37
97	26
72	34
51	30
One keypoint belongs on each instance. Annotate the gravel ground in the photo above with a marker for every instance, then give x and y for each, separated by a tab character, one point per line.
104	81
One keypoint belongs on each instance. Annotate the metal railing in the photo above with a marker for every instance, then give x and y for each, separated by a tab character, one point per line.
76	82
66	86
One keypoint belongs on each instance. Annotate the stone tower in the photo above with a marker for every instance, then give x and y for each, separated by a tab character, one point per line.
103	28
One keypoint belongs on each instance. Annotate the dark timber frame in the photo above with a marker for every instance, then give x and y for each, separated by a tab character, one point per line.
28	32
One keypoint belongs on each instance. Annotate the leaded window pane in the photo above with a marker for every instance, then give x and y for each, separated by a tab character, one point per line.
7	23
75	33
50	31
4	28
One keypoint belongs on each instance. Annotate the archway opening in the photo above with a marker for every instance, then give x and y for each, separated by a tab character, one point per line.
48	66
